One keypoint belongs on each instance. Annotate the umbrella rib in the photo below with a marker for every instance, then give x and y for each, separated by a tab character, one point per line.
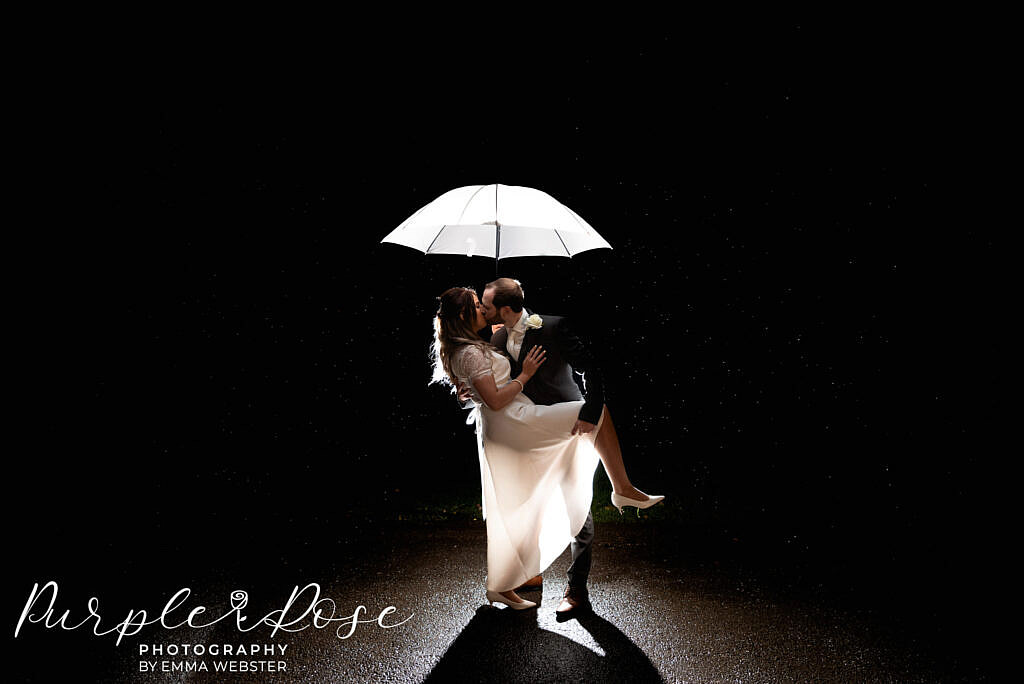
567	252
466	205
435	238
577	218
407	221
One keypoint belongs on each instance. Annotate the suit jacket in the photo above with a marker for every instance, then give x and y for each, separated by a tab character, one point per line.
558	378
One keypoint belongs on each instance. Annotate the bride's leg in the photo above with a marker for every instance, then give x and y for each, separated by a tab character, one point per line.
607	445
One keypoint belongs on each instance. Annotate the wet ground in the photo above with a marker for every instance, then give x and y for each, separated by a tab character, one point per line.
660	613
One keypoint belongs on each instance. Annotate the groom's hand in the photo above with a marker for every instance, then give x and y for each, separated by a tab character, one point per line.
582	427
464	392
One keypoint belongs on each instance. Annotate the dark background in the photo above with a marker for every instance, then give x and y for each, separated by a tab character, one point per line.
224	363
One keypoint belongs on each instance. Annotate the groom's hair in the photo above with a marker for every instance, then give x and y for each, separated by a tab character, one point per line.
507	292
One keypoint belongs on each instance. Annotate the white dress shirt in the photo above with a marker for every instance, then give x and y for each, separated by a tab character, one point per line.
515	335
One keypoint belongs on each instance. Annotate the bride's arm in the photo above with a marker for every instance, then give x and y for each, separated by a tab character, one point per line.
497	399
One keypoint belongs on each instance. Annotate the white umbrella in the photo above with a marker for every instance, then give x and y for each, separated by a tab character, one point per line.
498	221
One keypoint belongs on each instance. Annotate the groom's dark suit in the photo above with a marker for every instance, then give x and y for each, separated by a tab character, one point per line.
558	380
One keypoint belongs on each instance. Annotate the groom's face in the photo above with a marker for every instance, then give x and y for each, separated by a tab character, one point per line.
490	313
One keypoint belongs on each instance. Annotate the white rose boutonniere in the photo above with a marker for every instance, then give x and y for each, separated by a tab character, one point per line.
534	321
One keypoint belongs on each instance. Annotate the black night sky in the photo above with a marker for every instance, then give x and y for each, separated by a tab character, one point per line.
217	341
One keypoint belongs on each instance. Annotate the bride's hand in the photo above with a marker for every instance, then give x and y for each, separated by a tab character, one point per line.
533	360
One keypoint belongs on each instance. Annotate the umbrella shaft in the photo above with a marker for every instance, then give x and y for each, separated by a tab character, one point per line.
497	246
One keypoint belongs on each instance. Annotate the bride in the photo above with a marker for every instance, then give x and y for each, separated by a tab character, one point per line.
536	477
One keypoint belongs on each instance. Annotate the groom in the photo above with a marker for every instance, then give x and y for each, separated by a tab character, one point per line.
554	382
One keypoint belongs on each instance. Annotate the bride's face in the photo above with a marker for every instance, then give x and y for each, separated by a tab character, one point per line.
481	321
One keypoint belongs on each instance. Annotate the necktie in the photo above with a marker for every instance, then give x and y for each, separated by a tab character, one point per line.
515	339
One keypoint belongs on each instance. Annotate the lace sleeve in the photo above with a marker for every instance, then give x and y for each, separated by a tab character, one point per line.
471	362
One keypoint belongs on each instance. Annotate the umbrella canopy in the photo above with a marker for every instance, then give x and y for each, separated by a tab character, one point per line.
498	221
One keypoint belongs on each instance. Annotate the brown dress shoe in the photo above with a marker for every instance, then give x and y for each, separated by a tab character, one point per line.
537	581
572	600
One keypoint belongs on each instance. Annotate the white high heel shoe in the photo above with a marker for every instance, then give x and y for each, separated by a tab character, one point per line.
494	596
619	501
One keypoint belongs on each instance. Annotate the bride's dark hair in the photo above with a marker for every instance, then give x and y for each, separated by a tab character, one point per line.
453	328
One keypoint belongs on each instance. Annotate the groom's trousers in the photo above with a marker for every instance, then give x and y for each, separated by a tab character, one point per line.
579	569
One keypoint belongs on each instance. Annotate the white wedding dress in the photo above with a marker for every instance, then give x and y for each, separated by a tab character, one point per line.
537	478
